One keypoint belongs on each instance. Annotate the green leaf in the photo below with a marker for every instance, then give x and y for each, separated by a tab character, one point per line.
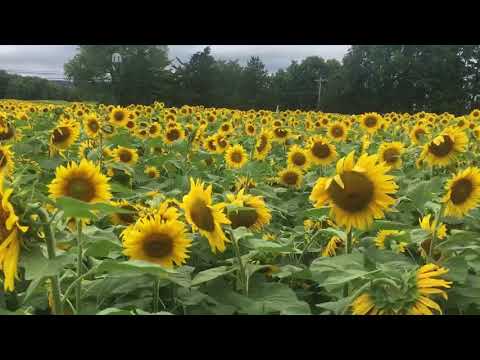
37	265
79	209
211	274
458	269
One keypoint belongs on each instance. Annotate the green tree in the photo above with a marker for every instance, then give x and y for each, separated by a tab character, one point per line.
137	80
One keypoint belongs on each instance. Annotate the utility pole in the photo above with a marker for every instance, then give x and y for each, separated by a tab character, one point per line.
320	80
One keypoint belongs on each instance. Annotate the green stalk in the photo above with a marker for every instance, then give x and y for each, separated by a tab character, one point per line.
50	240
243	277
434	235
78	290
156	288
348	250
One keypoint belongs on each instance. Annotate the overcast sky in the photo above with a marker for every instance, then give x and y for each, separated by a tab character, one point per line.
47	60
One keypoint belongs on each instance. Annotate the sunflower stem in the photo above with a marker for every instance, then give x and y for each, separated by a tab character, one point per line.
243	277
434	235
55	282
78	290
348	250
156	288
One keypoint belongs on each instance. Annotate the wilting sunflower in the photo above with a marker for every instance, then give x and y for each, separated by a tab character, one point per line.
10	240
64	135
391	154
383	241
332	245
126	155
205	217
174	134
292	177
298	157
358	193
236	156
156	241
244	182
463	192
118	117
337	132
253	213
263	145
125	218
444	149
82	181
371	122
92	125
6	160
152	172
321	151
410	296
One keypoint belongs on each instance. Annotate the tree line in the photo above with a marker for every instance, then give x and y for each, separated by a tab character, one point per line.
33	88
382	78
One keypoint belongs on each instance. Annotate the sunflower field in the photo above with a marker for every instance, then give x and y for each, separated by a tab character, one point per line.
139	210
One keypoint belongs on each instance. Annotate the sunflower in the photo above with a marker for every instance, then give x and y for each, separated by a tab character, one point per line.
254	214
126	155
10	240
221	143
332	245
118	117
152	172
64	135
156	241
154	130
321	151
475	115
84	147
444	149
418	134
226	128
92	125
281	134
236	156
428	225
250	129
383	240
205	217
371	122
174	134
124	218
263	145
358	193
462	123
391	154
292	177
9	133
411	297
298	157
244	182
337	131
82	181
6	160
463	192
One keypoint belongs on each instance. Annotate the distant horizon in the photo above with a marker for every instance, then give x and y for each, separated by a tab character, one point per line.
46	61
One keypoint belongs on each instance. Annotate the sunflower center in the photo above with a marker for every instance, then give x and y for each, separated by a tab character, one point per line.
130	124
356	194
222	143
173	135
10	133
225	127
443	149
245	218
127	218
337	131
299	159
153	130
290	178
419	133
202	216
370	121
461	191
60	134
391	156
236	157
158	245
263	144
119	116
251	129
81	189
125	156
93	125
320	150
325	121
280	133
